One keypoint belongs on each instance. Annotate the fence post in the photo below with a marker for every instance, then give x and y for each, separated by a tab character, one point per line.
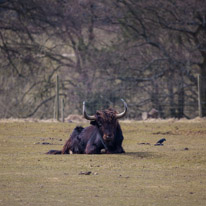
199	83
54	114
62	109
57	99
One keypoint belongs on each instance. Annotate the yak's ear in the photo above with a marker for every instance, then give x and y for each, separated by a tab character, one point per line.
93	122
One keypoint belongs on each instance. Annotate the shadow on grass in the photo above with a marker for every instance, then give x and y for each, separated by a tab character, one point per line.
142	154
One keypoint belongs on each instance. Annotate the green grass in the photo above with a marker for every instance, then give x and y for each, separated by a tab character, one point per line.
145	175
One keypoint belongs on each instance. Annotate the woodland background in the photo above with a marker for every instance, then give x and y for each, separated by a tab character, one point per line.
146	52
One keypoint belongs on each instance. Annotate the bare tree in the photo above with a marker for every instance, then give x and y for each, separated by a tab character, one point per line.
146	52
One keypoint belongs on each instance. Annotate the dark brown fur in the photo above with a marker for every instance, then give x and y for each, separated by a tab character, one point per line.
104	133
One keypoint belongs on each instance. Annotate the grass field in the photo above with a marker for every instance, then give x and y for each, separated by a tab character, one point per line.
173	174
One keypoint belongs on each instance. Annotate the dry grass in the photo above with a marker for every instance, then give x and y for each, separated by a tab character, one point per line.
173	174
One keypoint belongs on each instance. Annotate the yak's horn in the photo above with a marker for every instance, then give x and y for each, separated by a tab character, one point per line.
86	116
120	115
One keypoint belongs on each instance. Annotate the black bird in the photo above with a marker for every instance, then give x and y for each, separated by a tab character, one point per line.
160	142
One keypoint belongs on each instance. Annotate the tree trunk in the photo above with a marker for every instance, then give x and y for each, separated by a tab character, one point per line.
171	95
181	99
155	98
203	86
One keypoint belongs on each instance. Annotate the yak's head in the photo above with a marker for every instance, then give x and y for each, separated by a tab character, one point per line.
106	121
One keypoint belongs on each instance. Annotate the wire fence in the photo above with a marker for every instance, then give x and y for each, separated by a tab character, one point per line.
185	101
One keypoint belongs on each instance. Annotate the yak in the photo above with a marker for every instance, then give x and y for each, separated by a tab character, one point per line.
104	133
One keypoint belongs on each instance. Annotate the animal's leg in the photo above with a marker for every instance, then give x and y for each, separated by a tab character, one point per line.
65	149
92	149
119	149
